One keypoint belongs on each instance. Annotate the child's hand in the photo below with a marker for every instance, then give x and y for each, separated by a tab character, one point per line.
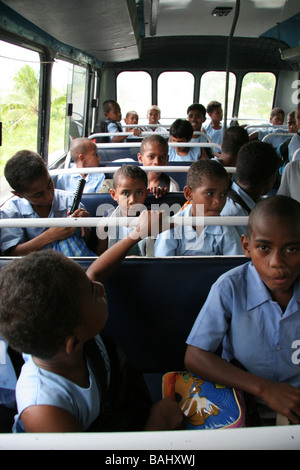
164	415
283	398
151	223
80	213
137	132
158	191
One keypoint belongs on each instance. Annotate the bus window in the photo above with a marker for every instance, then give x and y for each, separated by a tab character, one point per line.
174	95
257	95
212	88
19	100
134	93
67	106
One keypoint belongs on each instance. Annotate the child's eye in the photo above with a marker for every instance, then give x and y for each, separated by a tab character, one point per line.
263	247
291	249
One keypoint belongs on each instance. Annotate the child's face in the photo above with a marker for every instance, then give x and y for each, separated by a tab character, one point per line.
196	118
91	158
277	120
154	154
114	113
274	247
211	194
40	192
153	116
131	119
292	124
130	194
217	115
179	140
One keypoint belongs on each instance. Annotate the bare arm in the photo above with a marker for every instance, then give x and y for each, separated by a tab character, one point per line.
281	397
46	418
149	222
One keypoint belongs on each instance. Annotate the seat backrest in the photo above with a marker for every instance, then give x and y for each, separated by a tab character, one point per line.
94	201
153	303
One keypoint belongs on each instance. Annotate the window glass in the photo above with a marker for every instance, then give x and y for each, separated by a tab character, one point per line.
67	106
19	99
134	93
257	96
212	88
175	93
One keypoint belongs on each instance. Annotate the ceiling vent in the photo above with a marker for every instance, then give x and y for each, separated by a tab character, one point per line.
221	11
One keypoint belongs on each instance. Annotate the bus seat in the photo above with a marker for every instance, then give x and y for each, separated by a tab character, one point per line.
110	154
92	201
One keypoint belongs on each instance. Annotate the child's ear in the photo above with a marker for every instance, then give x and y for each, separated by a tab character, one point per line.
246	246
187	193
140	158
112	192
71	344
17	194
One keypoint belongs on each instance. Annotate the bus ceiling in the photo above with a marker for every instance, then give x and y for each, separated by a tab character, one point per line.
118	31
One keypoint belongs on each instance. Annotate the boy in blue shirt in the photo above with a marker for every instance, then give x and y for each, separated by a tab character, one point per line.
84	153
182	131
130	189
35	197
51	311
256	169
254	312
206	192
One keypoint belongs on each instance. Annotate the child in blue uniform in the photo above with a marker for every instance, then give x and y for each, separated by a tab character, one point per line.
35	197
214	128
206	191
84	153
253	311
130	189
51	310
182	131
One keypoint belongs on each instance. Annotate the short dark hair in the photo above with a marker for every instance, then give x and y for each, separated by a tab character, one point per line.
276	111
24	168
132	171
108	104
40	302
81	145
275	206
256	161
182	129
204	168
154	138
234	138
197	107
212	105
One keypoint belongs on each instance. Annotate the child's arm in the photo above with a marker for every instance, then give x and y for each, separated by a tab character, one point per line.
50	235
281	397
149	222
46	418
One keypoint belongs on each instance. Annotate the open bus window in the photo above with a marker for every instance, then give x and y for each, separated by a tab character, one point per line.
19	102
134	93
257	96
174	95
212	88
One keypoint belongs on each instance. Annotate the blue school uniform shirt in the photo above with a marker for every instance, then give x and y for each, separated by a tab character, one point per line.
240	310
93	182
232	208
18	207
192	156
37	386
184	240
216	135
